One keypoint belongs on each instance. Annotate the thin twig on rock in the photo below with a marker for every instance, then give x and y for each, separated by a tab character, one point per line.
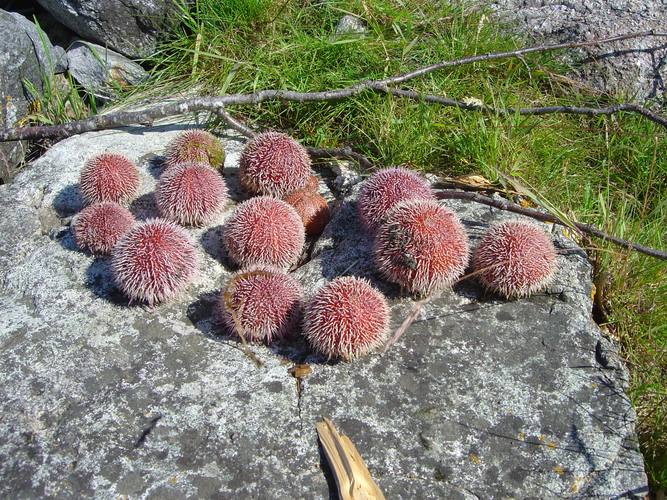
502	204
345	153
214	104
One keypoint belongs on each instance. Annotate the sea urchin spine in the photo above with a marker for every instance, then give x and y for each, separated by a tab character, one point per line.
191	194
384	189
515	259
97	228
109	177
264	231
154	261
261	304
421	246
346	318
274	164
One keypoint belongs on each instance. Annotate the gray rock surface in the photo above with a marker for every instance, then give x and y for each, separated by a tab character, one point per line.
23	56
481	398
130	27
637	68
101	70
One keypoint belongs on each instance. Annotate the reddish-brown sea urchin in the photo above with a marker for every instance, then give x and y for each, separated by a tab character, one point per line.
264	231
195	146
312	184
274	164
154	261
312	208
191	194
109	177
515	259
384	189
421	246
346	318
261	304
97	228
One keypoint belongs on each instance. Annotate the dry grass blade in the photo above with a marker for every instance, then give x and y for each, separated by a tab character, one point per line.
352	477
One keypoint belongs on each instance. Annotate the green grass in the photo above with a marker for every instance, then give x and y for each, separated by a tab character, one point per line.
608	171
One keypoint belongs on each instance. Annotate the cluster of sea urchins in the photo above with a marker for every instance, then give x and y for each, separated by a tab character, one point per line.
417	243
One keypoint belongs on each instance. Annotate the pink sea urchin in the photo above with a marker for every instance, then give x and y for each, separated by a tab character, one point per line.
97	228
384	189
109	177
191	194
421	246
346	318
264	231
261	303
195	146
312	208
274	164
515	259
154	261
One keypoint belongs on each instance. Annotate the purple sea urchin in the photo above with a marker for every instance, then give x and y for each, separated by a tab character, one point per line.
191	194
346	318
97	228
421	246
274	164
384	189
154	261
515	259
264	231
109	177
195	146
261	304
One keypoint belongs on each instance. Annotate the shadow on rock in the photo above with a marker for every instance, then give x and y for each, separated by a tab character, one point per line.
145	207
234	188
204	316
100	282
68	201
155	164
211	242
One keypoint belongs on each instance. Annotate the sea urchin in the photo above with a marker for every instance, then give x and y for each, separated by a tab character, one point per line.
515	259
97	228
312	208
384	189
154	261
274	164
261	304
109	177
191	194
346	318
421	246
195	146
264	231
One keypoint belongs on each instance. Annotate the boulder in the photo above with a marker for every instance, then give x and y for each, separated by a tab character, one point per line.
632	67
102	71
23	56
481	397
130	27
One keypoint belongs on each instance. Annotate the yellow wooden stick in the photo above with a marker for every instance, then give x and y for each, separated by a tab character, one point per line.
352	477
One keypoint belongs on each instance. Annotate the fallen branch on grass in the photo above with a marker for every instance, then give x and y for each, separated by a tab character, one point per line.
502	204
215	104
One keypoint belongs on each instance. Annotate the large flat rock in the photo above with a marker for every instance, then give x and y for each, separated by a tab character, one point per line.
480	398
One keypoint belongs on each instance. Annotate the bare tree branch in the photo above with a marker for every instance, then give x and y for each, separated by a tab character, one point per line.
516	53
574	110
502	204
213	104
